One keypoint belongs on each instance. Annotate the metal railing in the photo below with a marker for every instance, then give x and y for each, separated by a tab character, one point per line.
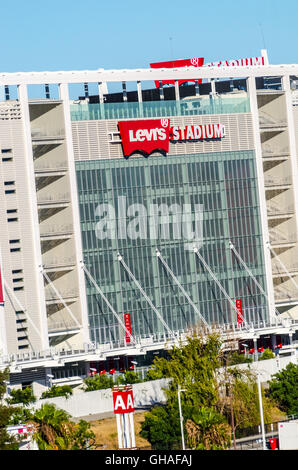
276	235
274	208
158	340
61	326
59	262
66	294
53	230
267	121
277	180
280	293
59	166
37	134
278	269
53	198
269	428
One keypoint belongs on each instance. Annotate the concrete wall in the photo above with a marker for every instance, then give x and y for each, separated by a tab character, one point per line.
148	393
269	367
100	402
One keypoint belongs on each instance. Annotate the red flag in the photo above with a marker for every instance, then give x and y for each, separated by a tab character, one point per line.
239	311
127	324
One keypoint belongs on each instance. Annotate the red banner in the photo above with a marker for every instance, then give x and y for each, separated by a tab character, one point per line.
170	64
123	400
127	324
1	290
239	311
144	136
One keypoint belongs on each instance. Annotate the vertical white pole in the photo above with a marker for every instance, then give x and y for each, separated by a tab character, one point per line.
126	431
264	54
181	417
119	430
132	431
261	411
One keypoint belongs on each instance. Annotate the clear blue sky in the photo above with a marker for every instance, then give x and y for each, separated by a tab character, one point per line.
39	35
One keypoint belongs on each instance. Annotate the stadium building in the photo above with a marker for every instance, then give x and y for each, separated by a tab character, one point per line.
139	204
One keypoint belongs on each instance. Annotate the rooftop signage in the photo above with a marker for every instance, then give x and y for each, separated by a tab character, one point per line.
146	136
172	64
253	61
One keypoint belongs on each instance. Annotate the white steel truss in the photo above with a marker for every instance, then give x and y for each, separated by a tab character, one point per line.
60	298
121	260
207	267
232	247
11	294
91	278
159	256
282	265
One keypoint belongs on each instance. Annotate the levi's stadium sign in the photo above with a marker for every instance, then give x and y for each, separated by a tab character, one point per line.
147	136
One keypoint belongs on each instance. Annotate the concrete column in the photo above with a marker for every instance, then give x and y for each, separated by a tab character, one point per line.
256	348
39	318
140	98
64	96
292	139
252	92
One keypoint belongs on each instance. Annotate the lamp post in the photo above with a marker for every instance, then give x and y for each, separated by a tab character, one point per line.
181	416
245	346
261	411
50	377
135	364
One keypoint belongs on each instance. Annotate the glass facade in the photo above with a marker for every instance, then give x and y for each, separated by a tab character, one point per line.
115	198
148	109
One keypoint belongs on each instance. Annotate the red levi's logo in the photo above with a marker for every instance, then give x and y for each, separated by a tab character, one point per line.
170	64
144	136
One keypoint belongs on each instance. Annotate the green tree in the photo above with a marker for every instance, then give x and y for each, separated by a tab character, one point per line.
24	396
193	366
241	398
58	391
154	374
98	382
53	430
7	441
236	358
267	354
161	428
129	377
283	389
208	430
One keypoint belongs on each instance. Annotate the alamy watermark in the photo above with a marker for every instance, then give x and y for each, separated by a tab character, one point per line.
154	221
